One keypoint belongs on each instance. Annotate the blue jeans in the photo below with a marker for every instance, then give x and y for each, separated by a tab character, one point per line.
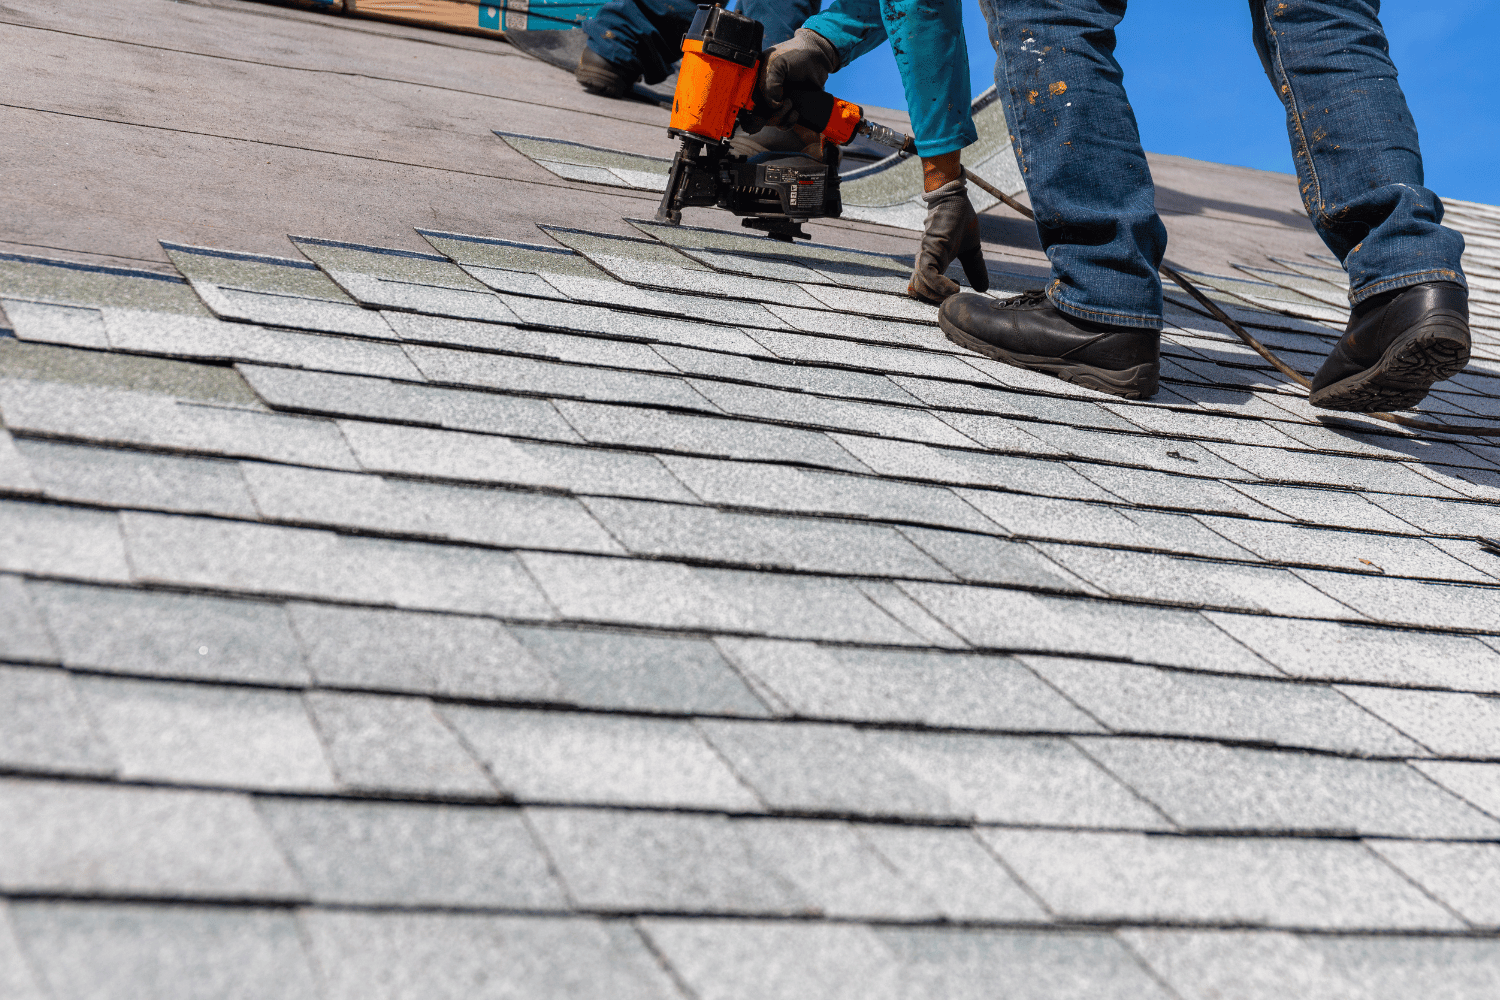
646	35
1076	142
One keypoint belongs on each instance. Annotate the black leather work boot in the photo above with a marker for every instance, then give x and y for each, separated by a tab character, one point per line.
1396	346
600	76
1028	332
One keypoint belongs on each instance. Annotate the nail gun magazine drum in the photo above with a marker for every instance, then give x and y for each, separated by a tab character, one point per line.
794	186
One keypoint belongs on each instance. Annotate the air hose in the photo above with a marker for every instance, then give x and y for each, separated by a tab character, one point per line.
1250	340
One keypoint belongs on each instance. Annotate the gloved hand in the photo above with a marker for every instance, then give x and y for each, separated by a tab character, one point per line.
802	62
951	230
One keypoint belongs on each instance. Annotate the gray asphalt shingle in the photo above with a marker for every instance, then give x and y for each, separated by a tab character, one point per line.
46	728
88	840
393	744
568	757
398	854
138	479
208	735
49	540
1150	700
1466	877
934	689
1208	788
22	635
191	952
1450	723
1299	883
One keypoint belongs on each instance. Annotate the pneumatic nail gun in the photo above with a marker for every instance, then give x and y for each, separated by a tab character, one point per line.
715	98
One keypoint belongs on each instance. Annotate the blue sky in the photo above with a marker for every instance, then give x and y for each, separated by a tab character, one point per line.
1198	89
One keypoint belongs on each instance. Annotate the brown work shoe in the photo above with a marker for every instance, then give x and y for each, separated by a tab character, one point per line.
600	76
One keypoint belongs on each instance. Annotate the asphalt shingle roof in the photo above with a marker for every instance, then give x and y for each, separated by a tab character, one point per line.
562	605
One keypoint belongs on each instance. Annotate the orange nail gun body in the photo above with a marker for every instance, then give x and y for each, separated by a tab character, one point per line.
715	96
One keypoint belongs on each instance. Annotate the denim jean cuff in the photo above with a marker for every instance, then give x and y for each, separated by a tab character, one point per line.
1109	317
1406	281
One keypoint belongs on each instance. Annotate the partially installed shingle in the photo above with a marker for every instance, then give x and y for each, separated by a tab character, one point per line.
1153	488
915	460
208	735
816	544
736	241
951	867
866	303
1138	450
866	356
821	411
401	279
566	757
631	670
190	952
1333	508
775	959
595	322
407	855
1280	465
49	540
1450	723
1149	700
1442	517
811	767
1007	619
84	839
821	382
835	867
468	250
16	979
642	862
1209	788
118	478
1359	551
1196	582
169	635
1476	782
607	291
863	328
764	960
655	265
528	375
1024	780
672	595
46	728
1267	965
306	562
403	402
986	559
1279	882
1464	876
273	291
487	458
393	744
1412	602
664	430
410	651
185	380
481	515
451	955
39	279
467	334
15	477
884	685
23	637
117	416
1334	651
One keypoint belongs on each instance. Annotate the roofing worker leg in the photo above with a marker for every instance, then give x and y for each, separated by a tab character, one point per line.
632	38
1360	172
1080	154
779	18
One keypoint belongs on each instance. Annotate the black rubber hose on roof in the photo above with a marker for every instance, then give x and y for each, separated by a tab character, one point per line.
1250	339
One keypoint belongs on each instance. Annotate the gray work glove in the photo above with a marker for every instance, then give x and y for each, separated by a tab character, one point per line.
802	62
951	231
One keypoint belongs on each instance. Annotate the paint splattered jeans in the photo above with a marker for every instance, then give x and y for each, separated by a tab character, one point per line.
1354	141
646	35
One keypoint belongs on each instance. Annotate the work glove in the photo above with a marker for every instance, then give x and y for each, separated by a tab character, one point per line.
951	230
802	62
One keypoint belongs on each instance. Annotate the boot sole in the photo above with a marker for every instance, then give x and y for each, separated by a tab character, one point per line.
1138	382
1422	356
